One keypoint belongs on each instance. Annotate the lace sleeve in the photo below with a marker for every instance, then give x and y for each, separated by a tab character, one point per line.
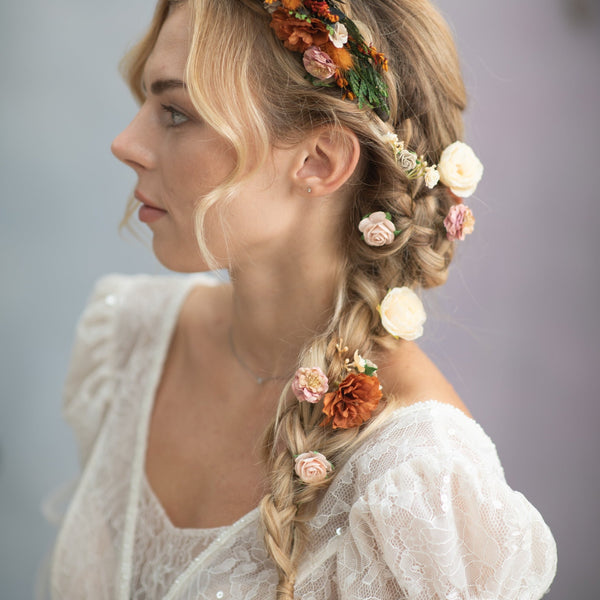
443	526
91	375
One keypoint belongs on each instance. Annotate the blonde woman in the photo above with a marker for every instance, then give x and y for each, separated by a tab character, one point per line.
281	435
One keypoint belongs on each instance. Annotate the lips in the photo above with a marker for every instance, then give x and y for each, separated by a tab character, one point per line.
149	212
144	200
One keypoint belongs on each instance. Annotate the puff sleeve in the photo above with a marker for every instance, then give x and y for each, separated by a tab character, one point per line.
92	372
444	524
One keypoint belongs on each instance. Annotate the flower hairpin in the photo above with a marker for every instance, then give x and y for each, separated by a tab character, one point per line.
459	222
310	384
356	396
378	229
312	467
413	165
402	314
459	170
353	399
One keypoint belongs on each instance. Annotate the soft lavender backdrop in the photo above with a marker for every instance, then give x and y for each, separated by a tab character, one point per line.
516	329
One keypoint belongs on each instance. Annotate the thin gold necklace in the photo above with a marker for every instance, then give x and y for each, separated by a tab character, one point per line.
258	378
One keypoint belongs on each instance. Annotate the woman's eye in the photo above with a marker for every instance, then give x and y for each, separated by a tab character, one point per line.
175	117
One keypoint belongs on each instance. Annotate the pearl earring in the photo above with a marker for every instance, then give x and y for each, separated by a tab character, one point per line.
309	190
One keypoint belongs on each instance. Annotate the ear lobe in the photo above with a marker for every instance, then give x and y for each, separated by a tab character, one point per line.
328	160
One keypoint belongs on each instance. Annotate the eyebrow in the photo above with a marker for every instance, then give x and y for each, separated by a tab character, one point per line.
162	85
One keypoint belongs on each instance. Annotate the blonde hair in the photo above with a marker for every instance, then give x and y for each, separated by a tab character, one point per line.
269	101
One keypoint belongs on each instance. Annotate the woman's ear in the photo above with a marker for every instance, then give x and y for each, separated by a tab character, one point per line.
326	159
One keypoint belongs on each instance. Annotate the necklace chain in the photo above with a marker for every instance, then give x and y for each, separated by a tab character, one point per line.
258	378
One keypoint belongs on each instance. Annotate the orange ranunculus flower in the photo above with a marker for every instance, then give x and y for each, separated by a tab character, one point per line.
298	35
353	402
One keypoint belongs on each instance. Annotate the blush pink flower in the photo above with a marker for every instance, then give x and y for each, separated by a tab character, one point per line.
459	222
309	385
377	229
318	63
312	467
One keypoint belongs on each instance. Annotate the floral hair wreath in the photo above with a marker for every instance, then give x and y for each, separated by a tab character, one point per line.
334	53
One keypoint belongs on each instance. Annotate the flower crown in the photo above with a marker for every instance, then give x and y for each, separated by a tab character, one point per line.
334	53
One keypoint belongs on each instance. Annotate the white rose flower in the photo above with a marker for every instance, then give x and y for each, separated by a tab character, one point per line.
460	169
340	35
432	177
362	364
402	314
392	139
407	160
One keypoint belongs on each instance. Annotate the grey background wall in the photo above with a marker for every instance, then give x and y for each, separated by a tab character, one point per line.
516	329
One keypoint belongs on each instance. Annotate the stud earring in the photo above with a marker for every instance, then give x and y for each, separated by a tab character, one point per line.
309	190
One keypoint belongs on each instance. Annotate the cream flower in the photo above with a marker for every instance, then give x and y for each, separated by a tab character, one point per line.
309	384
402	314
460	169
312	467
432	177
392	140
362	365
340	35
407	160
377	229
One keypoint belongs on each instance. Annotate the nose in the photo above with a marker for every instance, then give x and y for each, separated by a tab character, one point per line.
133	146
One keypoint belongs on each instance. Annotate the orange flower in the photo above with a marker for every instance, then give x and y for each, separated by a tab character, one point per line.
298	35
320	8
291	4
340	56
353	402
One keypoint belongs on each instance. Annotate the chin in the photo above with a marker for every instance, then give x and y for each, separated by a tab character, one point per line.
180	260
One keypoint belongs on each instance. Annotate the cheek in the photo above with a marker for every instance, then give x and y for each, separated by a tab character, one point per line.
194	169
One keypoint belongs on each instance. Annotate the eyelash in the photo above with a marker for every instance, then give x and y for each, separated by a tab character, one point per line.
174	114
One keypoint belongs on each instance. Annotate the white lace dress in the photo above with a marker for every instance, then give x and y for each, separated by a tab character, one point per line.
421	511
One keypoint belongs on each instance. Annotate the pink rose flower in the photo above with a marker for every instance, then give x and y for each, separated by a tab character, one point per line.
310	383
318	63
459	222
377	229
312	467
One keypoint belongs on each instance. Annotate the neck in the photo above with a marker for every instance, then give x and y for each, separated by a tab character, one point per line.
277	308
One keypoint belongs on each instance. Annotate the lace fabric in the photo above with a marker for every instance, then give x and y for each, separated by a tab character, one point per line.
421	511
166	550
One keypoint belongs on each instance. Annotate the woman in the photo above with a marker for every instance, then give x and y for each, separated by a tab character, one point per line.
282	436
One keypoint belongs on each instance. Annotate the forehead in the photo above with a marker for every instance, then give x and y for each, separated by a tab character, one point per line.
169	55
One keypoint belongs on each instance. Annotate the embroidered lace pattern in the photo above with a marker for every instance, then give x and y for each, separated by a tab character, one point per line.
422	510
166	550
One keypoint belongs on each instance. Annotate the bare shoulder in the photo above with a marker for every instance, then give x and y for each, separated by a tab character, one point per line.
409	375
